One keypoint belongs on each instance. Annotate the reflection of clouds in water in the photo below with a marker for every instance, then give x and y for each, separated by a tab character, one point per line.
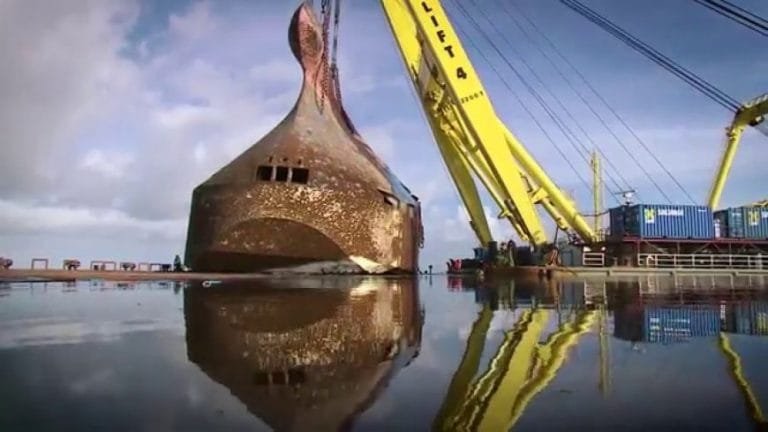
503	320
194	395
53	331
100	381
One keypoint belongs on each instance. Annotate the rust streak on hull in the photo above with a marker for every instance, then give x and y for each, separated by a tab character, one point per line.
309	194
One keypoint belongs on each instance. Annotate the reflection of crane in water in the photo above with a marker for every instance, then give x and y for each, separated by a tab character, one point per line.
737	371
735	367
519	370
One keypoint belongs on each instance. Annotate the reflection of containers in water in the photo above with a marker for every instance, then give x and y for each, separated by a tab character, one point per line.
673	324
628	323
744	222
750	318
662	221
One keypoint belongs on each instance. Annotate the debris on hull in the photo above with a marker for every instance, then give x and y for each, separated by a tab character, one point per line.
311	194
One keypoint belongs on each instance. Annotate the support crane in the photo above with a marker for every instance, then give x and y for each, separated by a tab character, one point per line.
753	114
470	136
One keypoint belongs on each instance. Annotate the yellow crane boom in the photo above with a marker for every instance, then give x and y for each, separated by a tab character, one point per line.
469	134
752	114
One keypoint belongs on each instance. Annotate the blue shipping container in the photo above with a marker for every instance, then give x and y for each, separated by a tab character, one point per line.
744	222
731	222
671	324
751	318
756	223
662	221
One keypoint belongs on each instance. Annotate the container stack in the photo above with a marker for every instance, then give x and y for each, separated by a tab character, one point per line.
743	222
662	222
750	318
669	325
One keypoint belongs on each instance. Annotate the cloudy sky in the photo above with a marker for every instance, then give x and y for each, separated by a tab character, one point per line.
114	110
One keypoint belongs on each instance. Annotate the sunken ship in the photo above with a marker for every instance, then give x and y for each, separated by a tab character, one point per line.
311	195
300	355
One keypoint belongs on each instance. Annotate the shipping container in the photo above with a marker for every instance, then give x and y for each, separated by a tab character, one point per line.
616	227
662	221
674	324
731	222
750	318
744	222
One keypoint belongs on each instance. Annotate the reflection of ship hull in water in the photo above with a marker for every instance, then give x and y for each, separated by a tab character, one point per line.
304	359
310	195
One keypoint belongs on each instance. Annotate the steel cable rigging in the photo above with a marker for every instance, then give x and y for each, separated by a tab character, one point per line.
559	71
700	84
575	141
506	83
602	100
737	14
611	165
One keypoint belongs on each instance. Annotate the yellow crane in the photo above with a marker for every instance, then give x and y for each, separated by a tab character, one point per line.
752	113
470	136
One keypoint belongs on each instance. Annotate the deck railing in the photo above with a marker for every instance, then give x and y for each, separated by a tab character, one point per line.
593	259
703	261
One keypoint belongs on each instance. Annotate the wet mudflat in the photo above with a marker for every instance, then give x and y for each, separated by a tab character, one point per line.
385	354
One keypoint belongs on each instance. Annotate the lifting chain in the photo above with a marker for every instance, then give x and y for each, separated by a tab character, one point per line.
325	85
335	50
328	63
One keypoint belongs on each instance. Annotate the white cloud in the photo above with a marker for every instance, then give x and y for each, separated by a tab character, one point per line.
110	164
276	71
34	219
380	139
197	23
200	152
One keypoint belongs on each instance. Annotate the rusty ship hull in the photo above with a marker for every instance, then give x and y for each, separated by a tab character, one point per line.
309	195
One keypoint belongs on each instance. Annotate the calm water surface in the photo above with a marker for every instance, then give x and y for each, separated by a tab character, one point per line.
385	354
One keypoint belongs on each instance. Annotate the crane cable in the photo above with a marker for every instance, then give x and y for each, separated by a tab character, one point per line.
626	184
509	86
604	102
686	75
737	14
570	115
571	136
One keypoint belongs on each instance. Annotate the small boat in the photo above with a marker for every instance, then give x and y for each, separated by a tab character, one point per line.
310	196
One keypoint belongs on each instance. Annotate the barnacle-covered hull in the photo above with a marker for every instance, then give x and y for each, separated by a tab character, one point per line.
309	195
